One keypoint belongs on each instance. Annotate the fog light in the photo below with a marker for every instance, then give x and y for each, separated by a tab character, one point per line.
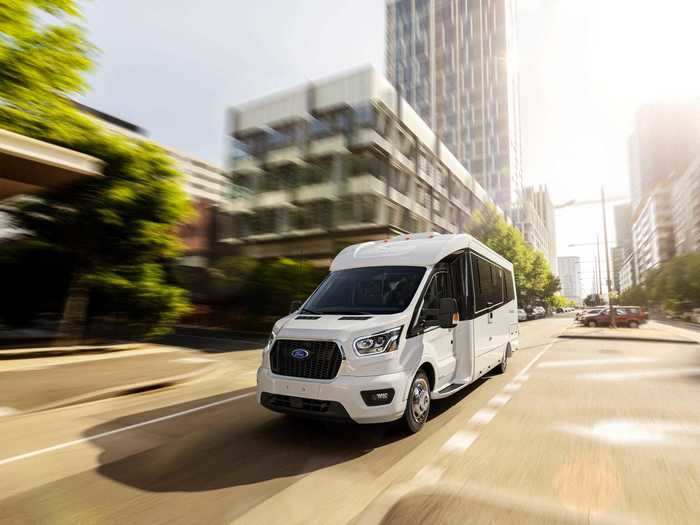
375	398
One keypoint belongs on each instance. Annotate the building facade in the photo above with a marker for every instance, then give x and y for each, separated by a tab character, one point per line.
652	231
628	273
535	219
340	161
665	139
685	196
569	268
453	61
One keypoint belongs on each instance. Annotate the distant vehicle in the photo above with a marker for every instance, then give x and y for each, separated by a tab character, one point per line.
589	311
396	324
539	312
631	316
522	314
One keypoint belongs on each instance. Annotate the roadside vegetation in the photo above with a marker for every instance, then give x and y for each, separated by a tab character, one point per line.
107	243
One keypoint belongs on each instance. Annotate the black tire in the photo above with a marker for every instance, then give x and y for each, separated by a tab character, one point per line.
503	366
633	324
592	324
417	404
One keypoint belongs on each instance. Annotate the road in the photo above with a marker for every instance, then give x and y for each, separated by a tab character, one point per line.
576	431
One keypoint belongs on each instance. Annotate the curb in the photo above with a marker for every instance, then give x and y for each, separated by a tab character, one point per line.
8	355
630	338
124	390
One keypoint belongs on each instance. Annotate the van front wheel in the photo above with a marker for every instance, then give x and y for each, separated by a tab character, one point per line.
418	403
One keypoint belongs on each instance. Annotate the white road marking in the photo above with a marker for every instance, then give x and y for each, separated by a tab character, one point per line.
512	387
641	374
67	444
482	416
499	400
595	362
630	432
522	378
7	411
459	442
193	360
429	475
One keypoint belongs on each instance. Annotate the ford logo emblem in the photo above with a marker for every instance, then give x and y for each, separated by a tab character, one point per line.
300	353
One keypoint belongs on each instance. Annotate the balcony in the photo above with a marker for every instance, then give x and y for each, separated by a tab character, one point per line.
366	137
272	199
288	155
247	165
328	146
314	192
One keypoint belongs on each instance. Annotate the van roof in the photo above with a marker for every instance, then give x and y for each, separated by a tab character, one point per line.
421	249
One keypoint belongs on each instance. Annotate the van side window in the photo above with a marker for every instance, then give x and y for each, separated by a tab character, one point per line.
489	286
439	288
509	293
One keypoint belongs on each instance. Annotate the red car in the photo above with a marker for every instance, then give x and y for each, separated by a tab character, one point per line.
631	316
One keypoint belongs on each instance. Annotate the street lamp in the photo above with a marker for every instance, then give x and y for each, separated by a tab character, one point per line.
613	324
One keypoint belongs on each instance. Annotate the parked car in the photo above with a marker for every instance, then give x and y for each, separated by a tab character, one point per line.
588	311
536	312
522	314
631	316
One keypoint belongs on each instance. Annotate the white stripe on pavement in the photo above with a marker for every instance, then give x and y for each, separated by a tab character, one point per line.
596	362
67	444
7	411
641	374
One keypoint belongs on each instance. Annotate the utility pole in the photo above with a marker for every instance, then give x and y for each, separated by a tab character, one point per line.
607	261
599	276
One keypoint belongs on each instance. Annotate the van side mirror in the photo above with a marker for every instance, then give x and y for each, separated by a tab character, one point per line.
294	306
447	313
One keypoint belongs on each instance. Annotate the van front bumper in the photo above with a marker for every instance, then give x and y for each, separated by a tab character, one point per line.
338	399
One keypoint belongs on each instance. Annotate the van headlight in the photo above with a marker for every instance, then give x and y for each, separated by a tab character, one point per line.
379	343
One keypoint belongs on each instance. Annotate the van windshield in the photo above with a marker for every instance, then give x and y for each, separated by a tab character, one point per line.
372	290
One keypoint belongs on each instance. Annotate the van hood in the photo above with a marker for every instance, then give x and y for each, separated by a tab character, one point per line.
337	327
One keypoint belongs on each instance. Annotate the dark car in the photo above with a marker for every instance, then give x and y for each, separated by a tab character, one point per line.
631	316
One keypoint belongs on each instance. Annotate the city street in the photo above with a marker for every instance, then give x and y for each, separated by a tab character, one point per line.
575	431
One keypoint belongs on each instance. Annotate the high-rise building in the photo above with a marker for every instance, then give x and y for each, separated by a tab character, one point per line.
452	60
535	219
665	139
569	268
336	162
685	196
652	231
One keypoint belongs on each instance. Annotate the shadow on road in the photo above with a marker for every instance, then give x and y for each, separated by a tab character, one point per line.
240	443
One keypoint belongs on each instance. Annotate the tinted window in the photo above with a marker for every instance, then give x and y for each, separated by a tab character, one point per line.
509	289
439	288
374	290
489	283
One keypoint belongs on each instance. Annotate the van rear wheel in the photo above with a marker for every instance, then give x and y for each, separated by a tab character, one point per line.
501	368
418	403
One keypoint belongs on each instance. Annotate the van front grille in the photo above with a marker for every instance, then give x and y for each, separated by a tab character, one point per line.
307	359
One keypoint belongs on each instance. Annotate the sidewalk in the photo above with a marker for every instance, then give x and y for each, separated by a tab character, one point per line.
649	332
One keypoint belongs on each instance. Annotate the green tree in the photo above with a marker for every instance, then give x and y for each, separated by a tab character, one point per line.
533	277
118	230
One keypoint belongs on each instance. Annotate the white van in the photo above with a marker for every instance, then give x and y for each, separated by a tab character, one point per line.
395	324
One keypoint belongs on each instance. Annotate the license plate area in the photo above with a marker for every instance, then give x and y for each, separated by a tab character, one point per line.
298	388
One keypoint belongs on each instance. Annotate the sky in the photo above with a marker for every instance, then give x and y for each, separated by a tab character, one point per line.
174	66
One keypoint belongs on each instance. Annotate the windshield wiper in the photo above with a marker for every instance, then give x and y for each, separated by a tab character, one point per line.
307	311
346	312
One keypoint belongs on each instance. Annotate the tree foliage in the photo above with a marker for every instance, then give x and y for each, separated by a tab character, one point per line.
118	230
673	286
533	277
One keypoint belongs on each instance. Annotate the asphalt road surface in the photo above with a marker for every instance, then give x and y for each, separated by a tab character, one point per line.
576	431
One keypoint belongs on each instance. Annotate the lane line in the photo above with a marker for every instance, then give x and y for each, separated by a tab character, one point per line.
67	444
459	442
482	417
641	374
595	362
8	411
512	387
499	400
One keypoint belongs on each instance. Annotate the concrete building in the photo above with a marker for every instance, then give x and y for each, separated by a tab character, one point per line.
624	241
685	196
336	162
652	231
569	268
453	61
628	273
202	180
665	139
535	219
